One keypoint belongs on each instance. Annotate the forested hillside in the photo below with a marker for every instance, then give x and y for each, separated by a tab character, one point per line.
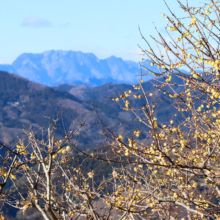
25	103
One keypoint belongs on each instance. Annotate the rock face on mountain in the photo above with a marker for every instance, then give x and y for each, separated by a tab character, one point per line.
57	67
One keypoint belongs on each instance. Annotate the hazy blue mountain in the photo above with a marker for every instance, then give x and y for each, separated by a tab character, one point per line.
59	67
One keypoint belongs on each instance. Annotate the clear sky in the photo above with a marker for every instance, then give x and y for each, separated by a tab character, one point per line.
103	27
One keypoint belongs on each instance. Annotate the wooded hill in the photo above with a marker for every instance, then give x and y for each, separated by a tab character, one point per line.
24	103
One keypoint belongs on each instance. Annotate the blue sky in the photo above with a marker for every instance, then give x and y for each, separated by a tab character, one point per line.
103	27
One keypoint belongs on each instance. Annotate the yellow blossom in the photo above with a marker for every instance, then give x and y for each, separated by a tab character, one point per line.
90	174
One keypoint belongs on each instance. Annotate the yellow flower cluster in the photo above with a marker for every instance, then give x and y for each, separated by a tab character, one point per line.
90	174
21	148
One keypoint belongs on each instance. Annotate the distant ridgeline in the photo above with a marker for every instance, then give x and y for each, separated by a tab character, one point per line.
76	68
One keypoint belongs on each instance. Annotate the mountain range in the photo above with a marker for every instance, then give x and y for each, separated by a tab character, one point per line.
51	68
25	103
